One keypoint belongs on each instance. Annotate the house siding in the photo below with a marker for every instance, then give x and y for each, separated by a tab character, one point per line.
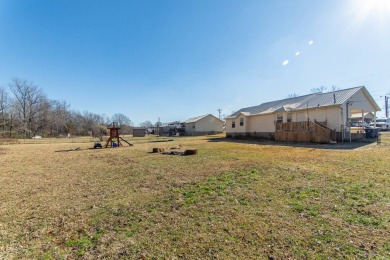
258	126
264	125
209	124
206	125
191	128
360	101
330	115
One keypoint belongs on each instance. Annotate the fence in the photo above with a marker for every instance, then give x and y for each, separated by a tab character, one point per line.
306	131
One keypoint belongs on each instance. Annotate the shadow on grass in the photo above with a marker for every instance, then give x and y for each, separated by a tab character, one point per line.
69	150
91	148
337	146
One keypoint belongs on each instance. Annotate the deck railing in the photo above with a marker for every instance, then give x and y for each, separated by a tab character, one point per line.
293	126
318	131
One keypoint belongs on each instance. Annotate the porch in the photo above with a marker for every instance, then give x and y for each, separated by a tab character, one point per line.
305	131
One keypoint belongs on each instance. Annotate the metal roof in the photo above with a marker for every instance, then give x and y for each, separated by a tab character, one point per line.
194	119
359	115
302	102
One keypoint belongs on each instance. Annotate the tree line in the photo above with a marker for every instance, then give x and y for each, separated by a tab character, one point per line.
25	111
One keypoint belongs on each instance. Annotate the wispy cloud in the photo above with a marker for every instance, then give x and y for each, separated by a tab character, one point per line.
311	42
285	62
297	53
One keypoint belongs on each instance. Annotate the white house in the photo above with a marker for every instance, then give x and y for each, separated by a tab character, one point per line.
202	125
330	111
368	117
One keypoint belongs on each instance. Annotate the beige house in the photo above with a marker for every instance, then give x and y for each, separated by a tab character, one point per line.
299	115
368	117
203	125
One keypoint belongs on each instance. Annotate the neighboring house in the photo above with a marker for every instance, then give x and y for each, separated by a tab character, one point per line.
170	128
203	125
305	118
368	117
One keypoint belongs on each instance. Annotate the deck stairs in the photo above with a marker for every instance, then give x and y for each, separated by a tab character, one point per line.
332	133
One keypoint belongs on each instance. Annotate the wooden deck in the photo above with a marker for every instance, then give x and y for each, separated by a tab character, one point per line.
306	131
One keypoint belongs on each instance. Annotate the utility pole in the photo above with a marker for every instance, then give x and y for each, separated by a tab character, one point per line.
348	123
386	106
158	127
219	112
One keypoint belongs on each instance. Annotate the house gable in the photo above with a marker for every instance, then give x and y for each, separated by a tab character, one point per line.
204	124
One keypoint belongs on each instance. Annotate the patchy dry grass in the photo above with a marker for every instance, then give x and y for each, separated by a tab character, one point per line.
232	200
384	138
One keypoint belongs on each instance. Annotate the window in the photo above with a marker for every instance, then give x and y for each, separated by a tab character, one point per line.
289	117
279	118
233	124
241	121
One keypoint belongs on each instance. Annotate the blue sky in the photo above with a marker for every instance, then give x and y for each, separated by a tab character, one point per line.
179	59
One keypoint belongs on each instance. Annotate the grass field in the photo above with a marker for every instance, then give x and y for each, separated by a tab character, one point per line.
234	199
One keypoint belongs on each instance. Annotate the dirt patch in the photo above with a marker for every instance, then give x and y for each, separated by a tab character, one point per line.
190	152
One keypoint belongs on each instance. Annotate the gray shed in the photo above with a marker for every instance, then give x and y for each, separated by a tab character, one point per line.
139	132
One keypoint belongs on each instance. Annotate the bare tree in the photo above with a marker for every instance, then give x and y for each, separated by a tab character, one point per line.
12	113
334	88
43	120
4	105
25	111
146	124
59	117
292	95
323	89
121	120
320	89
28	104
